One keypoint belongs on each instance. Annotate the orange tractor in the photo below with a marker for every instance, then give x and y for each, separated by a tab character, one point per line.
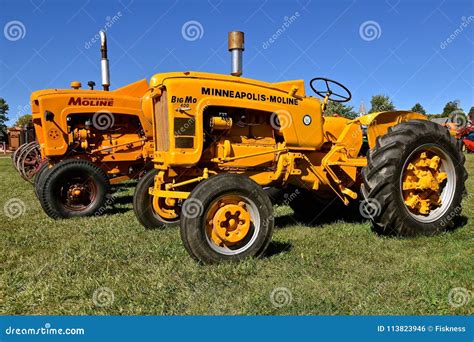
90	139
219	139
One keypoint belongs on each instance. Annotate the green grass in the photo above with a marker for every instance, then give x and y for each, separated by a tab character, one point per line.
54	267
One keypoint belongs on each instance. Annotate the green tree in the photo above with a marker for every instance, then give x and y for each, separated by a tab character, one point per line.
418	108
450	108
3	113
381	103
23	120
340	109
471	112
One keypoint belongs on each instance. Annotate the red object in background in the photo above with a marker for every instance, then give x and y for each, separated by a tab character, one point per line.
469	145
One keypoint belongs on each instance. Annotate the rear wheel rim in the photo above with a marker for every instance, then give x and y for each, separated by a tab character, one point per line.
424	204
232	224
78	193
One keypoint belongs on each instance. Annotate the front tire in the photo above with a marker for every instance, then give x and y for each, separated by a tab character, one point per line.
39	178
227	217
414	180
73	188
143	204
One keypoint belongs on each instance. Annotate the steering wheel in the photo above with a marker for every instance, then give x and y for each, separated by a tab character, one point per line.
332	96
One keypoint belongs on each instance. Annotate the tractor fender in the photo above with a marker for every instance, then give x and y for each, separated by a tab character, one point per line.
378	123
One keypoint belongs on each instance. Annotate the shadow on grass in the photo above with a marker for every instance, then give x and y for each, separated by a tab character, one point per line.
116	210
128	199
275	248
320	217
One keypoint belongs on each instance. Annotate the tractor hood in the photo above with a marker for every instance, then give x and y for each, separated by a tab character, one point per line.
295	86
136	89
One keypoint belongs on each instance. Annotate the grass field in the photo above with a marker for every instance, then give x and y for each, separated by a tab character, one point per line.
111	265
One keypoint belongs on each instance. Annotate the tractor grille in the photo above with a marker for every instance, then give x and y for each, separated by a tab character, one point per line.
162	141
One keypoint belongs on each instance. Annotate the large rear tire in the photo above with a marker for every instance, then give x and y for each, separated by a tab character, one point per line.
73	188
414	180
227	217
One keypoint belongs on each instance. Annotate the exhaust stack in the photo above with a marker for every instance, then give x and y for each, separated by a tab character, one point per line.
104	63
236	46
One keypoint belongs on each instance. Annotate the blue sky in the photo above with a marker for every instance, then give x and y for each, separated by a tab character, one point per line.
394	47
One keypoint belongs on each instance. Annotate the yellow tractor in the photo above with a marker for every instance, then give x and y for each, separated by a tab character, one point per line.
219	140
90	139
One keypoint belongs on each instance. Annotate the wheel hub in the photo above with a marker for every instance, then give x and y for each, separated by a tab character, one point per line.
75	192
230	224
423	183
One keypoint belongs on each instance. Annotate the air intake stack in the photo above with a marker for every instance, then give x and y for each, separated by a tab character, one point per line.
104	63
236	46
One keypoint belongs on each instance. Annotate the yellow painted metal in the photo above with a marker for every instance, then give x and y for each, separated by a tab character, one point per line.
117	150
65	102
76	85
422	182
379	123
303	148
220	123
228	221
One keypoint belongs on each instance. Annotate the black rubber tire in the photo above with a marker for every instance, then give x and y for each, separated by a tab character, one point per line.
38	184
384	170
142	204
49	193
193	227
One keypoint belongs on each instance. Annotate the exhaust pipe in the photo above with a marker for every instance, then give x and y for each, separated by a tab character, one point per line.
236	46
104	63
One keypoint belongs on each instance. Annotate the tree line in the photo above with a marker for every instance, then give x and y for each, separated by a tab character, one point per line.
380	103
